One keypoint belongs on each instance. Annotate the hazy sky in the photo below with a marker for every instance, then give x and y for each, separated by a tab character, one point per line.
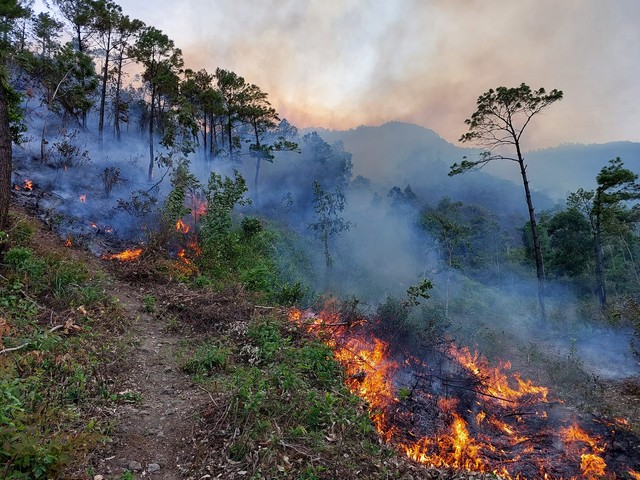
343	63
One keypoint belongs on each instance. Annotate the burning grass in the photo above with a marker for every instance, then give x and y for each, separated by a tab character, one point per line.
447	407
125	256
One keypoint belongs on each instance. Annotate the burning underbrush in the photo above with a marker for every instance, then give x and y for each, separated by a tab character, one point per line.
446	406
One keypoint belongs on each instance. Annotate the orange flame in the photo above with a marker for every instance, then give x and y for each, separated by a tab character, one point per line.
125	256
68	242
83	198
28	185
633	474
198	207
493	442
182	227
574	434
457	449
183	256
497	380
592	466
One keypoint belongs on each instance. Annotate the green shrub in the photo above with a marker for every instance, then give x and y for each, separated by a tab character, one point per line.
251	227
207	358
290	294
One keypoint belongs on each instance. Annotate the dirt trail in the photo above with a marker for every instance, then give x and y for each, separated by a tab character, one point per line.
153	434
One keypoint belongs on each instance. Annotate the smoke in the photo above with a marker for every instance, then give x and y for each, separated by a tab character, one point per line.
341	64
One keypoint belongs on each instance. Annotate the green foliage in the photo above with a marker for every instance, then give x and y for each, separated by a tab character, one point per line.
174	207
45	383
328	207
291	392
290	294
419	291
21	232
267	338
149	303
500	119
251	227
243	253
208	357
66	153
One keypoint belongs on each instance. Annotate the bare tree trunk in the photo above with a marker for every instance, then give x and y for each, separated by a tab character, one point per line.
534	232
103	94
5	158
601	289
117	97
151	120
204	133
229	127
255	180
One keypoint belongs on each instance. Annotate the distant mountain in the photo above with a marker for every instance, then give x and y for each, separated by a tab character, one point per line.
379	151
401	154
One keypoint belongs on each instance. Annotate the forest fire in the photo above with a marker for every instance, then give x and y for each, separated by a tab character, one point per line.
450	409
83	198
198	207
27	185
125	256
182	227
68	242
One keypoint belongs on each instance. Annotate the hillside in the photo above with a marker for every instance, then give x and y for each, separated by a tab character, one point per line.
142	376
147	376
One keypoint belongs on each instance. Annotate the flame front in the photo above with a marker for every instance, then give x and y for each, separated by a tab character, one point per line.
485	419
497	381
125	256
369	373
68	243
182	227
28	185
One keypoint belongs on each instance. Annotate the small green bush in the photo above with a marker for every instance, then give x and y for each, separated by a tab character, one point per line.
207	358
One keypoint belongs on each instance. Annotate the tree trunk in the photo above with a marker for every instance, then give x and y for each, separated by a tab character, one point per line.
255	180
327	255
117	97
83	81
151	120
204	132
534	232
256	195
213	136
5	157
597	242
229	127
103	95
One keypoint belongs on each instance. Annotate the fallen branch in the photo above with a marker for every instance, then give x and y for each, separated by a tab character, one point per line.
13	349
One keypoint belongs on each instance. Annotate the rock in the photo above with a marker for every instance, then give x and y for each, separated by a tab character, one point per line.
153	467
134	466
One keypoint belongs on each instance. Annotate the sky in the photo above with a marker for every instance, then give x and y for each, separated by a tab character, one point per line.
343	63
